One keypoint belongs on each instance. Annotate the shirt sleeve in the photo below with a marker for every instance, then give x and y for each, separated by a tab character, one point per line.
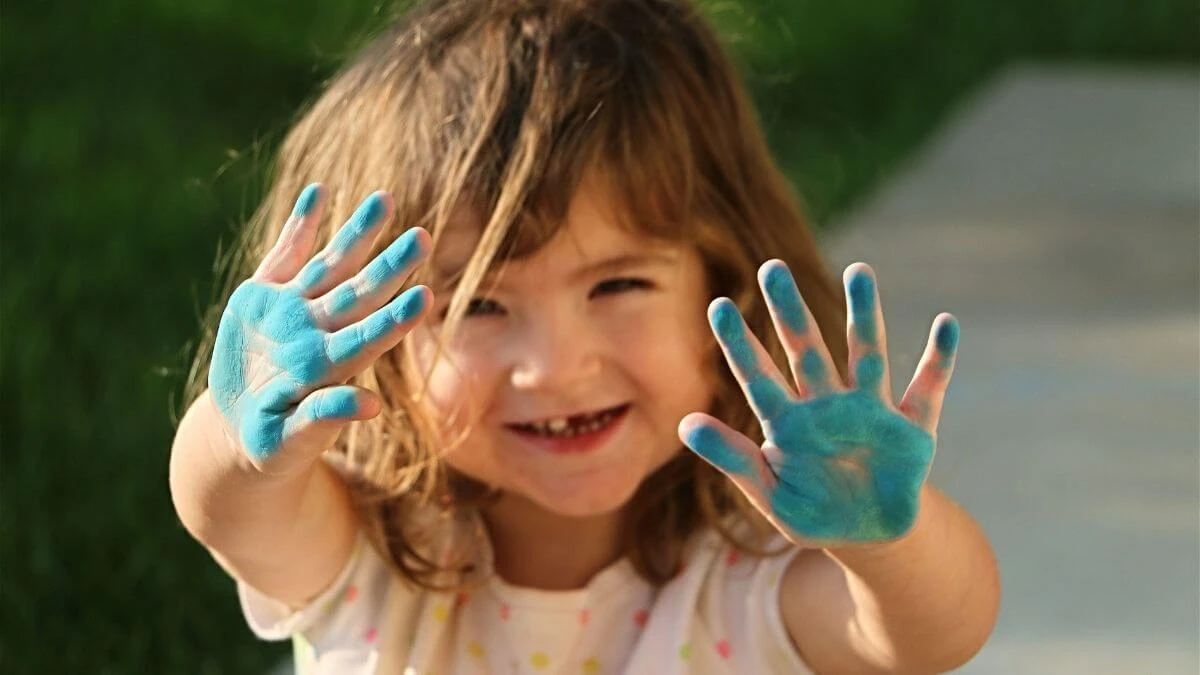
347	610
765	619
758	641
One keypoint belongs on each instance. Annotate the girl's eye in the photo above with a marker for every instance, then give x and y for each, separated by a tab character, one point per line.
483	306
475	307
621	285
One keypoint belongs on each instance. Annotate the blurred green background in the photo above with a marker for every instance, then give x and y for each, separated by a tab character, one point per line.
134	137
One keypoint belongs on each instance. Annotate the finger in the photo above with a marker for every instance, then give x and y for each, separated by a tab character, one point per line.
760	380
865	333
732	454
296	239
337	405
381	279
922	401
347	249
381	330
812	367
312	426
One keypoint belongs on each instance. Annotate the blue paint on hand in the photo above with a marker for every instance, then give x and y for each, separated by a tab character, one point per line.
712	445
781	291
269	353
312	274
306	201
812	365
361	223
862	306
349	342
388	265
947	338
851	468
337	403
848	466
868	374
766	396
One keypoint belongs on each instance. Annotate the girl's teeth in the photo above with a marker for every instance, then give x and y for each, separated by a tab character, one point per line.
561	427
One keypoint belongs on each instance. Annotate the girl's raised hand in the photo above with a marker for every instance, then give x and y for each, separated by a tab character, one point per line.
299	328
840	464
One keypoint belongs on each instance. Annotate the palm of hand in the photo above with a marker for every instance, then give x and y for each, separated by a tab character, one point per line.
268	349
296	330
838	465
847	468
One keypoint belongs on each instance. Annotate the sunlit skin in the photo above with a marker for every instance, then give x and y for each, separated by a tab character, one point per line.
597	317
841	463
290	334
564	331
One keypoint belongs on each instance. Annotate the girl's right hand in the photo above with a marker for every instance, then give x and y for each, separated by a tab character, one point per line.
299	328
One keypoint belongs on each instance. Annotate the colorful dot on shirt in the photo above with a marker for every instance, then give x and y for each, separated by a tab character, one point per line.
539	660
591	666
351	593
370	635
732	557
723	649
505	612
475	649
461	598
640	617
302	651
685	652
584	615
441	612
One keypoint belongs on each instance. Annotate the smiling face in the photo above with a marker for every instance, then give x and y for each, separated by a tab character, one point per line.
573	365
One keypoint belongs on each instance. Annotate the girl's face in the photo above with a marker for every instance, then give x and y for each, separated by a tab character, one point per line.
573	365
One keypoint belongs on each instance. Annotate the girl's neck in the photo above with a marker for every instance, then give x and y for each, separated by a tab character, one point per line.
535	548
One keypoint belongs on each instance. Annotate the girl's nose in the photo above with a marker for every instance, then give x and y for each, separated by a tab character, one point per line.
555	354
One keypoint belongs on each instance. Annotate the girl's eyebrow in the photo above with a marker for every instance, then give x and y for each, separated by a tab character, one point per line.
449	280
625	262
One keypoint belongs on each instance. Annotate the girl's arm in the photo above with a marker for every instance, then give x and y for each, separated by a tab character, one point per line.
924	603
247	477
286	536
896	578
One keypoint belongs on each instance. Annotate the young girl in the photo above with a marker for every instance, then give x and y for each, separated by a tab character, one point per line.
538	460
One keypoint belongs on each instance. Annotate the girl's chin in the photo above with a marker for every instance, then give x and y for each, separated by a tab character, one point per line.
582	503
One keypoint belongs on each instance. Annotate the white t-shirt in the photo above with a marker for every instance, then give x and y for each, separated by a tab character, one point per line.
719	615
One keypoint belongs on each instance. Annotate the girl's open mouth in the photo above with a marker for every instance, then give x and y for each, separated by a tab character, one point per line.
578	433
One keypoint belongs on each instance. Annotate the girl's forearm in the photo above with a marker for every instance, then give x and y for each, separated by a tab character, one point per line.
927	601
287	537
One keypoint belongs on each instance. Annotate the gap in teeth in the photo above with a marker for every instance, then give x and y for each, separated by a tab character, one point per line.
563	427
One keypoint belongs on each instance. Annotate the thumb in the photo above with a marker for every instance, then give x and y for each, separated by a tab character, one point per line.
733	454
324	413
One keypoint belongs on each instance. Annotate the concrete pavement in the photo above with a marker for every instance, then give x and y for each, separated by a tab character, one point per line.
1059	218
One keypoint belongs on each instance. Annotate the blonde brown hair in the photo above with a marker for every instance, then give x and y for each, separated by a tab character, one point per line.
504	107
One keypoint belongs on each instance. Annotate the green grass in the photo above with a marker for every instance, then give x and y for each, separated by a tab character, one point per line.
132	135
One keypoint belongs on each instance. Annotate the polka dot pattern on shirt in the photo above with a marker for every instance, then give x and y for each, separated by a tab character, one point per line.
723	649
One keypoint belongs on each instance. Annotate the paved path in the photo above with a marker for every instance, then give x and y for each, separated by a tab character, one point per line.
1059	219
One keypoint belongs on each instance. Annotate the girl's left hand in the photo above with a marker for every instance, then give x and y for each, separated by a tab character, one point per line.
840	464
